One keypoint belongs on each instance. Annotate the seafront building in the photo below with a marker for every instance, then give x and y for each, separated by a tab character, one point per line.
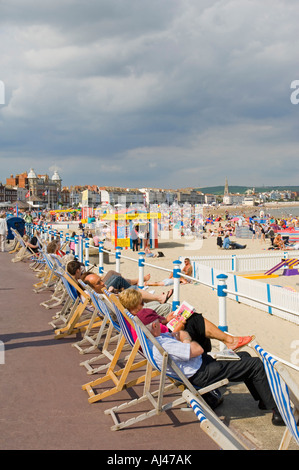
45	192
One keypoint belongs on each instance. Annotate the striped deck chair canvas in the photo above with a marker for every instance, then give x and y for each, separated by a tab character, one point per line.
112	335
284	390
98	321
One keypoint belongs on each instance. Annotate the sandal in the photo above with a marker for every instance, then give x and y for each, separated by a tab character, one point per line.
168	295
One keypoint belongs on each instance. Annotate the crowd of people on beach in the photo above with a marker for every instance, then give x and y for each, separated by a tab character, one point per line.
262	227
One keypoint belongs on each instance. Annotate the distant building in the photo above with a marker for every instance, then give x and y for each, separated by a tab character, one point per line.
38	190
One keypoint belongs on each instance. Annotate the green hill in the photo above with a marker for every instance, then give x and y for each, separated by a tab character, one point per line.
219	190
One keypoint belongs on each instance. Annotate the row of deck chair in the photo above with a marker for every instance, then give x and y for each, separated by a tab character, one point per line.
138	368
122	363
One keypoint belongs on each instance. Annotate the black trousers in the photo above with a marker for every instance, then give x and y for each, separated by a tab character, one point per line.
135	244
195	326
248	369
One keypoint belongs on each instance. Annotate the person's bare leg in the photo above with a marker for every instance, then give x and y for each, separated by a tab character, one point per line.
148	297
213	332
134	282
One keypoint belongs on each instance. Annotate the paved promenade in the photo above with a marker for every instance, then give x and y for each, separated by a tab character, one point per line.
42	403
44	407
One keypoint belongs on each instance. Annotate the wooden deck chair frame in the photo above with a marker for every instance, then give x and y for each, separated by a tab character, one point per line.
112	335
133	362
24	252
59	295
221	433
62	317
91	339
50	278
285	393
73	325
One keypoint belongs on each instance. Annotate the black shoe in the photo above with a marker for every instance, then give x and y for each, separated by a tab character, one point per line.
262	405
213	398
276	418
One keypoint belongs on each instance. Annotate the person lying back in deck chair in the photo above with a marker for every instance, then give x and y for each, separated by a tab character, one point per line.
196	328
202	370
97	283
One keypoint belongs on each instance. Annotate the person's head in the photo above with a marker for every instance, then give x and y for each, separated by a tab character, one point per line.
132	300
74	269
94	281
52	247
154	328
187	260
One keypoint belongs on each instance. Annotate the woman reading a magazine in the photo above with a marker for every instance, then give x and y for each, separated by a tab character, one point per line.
196	326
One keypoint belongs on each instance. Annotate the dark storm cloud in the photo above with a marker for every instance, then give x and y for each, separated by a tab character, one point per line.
166	93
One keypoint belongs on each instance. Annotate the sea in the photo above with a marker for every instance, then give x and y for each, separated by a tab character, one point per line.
282	211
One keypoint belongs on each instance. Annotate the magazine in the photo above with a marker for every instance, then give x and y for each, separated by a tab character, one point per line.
226	355
184	311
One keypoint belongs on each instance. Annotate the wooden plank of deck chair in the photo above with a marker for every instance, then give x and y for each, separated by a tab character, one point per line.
105	353
106	310
118	377
91	340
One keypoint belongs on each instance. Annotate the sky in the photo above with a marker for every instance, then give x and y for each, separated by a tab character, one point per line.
150	93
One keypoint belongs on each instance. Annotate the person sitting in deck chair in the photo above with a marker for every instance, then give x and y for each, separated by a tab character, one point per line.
202	370
198	327
97	283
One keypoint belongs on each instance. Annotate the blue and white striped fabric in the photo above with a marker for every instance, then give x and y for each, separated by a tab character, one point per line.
198	410
72	292
103	309
279	391
122	322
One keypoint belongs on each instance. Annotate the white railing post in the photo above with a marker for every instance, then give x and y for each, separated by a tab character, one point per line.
67	241
117	259
176	284
141	270
101	258
76	247
86	263
81	249
222	295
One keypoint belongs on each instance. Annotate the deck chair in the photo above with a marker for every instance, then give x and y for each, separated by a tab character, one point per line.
62	317
91	339
59	295
25	252
217	430
133	362
49	278
285	393
73	325
112	335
